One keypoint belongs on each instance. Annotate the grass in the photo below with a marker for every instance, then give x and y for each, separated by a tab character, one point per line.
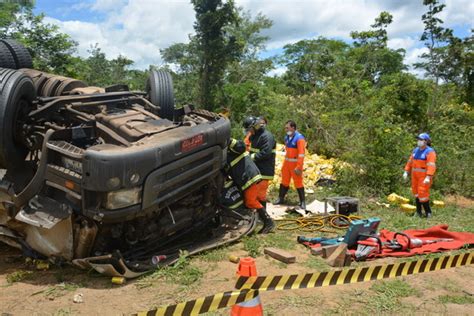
387	295
215	255
456	299
58	290
18	276
181	273
316	263
252	245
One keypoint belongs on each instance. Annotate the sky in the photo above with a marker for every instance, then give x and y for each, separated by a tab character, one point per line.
138	29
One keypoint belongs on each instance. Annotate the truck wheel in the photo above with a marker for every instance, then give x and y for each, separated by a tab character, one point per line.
17	93
6	57
159	88
20	54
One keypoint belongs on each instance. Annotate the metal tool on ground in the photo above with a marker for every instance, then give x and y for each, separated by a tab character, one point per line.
411	243
324	241
373	245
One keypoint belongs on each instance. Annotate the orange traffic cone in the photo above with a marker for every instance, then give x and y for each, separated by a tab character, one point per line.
247	268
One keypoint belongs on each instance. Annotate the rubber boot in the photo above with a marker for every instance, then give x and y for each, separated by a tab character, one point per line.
302	198
268	224
281	195
426	206
418	208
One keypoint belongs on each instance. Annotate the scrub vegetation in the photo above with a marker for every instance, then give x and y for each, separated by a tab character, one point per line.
353	100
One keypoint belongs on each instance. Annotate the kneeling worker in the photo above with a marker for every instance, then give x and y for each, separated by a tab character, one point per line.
246	176
295	145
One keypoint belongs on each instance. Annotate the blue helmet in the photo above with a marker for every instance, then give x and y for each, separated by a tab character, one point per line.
424	136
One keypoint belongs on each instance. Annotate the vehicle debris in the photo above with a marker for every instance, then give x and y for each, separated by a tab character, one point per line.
106	178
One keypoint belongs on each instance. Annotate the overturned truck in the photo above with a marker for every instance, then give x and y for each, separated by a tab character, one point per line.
107	178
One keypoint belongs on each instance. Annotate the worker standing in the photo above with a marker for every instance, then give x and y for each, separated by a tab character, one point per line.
295	146
262	152
245	174
422	166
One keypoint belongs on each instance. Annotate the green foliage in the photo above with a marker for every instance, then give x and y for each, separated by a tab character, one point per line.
456	299
387	295
216	49
18	276
51	50
377	37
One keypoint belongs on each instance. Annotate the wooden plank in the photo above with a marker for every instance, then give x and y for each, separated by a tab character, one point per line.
338	257
280	255
318	251
328	250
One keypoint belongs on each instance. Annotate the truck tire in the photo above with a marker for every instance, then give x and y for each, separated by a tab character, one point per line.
17	93
6	57
20	54
159	88
52	84
39	78
68	85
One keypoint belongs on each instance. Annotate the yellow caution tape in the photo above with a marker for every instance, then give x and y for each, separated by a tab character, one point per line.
251	286
348	276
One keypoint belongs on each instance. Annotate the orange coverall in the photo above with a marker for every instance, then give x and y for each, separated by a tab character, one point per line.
422	163
294	159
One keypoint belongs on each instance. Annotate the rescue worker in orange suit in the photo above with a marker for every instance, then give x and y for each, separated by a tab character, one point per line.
245	174
262	152
422	166
295	145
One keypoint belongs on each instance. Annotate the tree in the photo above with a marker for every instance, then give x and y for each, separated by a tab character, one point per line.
377	37
434	36
311	63
51	50
215	47
371	51
187	62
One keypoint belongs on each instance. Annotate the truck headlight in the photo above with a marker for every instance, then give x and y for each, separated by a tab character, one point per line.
123	198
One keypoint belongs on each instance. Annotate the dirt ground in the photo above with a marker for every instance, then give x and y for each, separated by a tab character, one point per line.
27	291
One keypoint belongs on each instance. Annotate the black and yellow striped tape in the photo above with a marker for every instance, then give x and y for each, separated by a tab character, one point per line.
251	286
204	304
347	276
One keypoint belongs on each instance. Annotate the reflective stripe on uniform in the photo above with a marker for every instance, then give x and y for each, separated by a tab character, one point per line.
256	150
292	159
431	164
228	184
424	199
419	169
267	177
236	205
239	158
301	155
258	177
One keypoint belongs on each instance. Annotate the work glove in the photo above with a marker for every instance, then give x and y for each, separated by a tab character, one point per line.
298	172
427	180
405	176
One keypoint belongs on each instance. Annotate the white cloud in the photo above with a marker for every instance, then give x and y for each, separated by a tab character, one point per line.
138	29
402	42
